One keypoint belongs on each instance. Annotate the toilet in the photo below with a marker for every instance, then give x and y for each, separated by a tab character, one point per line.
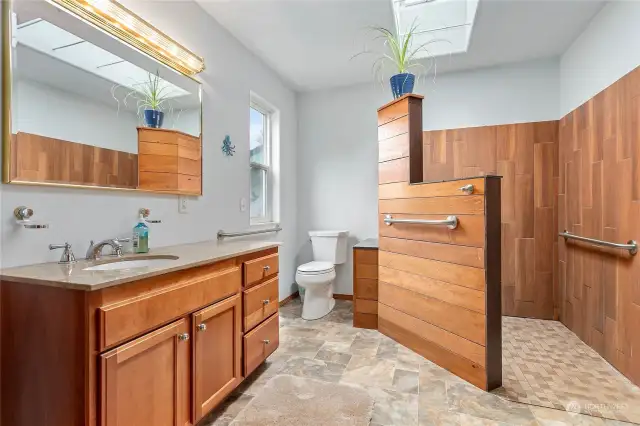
317	277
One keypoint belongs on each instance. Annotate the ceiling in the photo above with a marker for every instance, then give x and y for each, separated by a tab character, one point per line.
311	43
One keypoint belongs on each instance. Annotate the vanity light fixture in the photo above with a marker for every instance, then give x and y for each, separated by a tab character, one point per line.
115	19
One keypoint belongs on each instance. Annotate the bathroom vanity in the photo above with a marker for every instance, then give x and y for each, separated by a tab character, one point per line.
159	345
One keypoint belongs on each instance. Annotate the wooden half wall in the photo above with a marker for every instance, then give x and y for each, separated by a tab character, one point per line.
439	289
599	197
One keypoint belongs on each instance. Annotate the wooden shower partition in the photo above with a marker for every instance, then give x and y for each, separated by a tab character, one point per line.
439	289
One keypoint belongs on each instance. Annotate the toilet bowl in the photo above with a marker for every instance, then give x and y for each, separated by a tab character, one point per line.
317	280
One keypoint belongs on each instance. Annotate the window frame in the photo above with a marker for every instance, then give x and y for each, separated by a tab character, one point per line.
266	166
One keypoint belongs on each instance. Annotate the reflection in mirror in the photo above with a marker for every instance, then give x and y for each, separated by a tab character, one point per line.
82	99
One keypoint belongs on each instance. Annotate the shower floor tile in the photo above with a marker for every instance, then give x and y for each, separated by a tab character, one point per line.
545	364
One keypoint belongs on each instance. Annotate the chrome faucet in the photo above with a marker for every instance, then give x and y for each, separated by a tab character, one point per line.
94	252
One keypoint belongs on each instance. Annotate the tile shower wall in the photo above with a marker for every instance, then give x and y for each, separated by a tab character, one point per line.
77	216
599	197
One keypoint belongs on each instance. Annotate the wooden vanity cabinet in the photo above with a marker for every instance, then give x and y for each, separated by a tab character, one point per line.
217	353
146	381
159	351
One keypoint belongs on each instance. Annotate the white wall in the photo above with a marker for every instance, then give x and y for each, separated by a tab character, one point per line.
47	111
232	72
338	142
607	50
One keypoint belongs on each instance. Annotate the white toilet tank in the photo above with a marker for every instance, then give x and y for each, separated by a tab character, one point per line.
329	246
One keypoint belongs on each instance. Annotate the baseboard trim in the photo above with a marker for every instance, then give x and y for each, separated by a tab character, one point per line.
343	296
289	298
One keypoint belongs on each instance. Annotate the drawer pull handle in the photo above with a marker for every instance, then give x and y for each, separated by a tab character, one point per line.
266	341
183	336
265	302
266	268
202	327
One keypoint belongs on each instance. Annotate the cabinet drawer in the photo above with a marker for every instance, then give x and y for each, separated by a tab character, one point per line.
366	288
259	343
128	318
366	271
363	306
365	256
258	269
260	302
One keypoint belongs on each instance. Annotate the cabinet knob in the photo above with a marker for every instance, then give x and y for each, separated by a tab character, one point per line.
267	267
183	336
266	341
265	302
202	327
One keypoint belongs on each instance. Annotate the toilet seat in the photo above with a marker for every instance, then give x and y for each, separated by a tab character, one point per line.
316	268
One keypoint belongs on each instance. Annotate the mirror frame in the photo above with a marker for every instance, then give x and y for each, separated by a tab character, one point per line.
7	82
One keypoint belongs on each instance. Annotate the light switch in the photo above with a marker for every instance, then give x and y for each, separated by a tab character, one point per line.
243	204
183	204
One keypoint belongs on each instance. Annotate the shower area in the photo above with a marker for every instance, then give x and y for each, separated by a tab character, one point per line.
570	307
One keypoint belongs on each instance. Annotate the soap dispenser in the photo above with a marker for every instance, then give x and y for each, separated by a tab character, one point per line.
141	236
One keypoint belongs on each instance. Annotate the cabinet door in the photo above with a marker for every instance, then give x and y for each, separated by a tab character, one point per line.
146	381
217	353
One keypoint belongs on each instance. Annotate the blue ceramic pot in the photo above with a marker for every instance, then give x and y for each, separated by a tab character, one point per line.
153	118
401	84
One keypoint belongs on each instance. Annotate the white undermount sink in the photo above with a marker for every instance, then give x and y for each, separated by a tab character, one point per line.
133	263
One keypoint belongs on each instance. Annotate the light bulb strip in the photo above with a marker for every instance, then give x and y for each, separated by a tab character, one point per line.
115	19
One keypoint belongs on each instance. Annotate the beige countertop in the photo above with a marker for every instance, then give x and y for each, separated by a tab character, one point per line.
75	277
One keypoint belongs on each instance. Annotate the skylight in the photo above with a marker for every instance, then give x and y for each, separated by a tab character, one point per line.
450	21
57	43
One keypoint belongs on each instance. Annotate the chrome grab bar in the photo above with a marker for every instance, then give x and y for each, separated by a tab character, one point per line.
451	221
222	234
631	245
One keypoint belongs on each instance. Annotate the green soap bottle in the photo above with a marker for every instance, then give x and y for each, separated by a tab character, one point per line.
141	237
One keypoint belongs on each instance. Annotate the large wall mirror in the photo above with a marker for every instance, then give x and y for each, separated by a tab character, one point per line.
88	109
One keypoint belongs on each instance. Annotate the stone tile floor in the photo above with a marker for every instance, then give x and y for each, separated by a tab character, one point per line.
407	389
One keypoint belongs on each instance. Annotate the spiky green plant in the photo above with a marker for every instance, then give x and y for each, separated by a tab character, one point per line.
400	52
149	94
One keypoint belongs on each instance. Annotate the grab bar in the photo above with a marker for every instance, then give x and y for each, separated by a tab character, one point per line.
451	221
222	234
631	245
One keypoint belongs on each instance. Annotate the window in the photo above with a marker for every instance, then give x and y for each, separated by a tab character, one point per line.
260	160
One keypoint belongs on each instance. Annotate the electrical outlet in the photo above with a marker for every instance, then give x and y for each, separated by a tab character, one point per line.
243	204
183	204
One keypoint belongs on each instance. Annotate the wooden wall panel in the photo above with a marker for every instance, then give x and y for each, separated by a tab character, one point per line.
439	289
526	156
365	287
36	158
599	197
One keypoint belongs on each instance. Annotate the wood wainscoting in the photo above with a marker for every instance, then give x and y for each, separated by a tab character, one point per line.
36	158
599	197
439	290
526	156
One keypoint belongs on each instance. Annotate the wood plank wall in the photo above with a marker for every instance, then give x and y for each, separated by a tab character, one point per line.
599	197
36	158
439	289
526	156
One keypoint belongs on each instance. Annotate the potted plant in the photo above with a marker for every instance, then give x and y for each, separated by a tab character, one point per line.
400	52
152	99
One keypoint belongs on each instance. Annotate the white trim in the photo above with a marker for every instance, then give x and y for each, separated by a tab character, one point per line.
260	105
